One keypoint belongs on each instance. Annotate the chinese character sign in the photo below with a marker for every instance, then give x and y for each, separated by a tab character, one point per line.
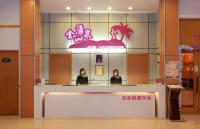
82	37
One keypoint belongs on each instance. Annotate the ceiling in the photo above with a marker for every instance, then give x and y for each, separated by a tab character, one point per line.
99	6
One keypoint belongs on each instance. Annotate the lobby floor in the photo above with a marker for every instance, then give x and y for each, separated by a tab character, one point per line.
13	122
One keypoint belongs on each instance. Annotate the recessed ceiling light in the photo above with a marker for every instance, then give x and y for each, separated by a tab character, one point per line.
109	8
68	8
88	8
130	8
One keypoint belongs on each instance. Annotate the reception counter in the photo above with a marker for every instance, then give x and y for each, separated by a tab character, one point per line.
52	101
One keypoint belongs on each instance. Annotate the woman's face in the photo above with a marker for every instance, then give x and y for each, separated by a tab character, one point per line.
83	72
115	73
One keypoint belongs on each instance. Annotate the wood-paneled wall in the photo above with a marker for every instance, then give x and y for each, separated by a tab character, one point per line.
189	31
169	35
60	68
29	35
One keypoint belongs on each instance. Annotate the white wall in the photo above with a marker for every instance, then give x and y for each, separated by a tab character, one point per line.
9	15
189	9
9	38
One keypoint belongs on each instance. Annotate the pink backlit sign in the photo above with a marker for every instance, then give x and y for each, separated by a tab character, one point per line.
79	34
82	37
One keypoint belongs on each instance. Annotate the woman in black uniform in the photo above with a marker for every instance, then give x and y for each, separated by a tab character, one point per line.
82	77
116	79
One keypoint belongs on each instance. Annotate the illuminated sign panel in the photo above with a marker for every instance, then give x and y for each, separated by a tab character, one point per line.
82	37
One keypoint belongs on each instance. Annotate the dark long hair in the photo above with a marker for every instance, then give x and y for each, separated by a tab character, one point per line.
82	69
116	70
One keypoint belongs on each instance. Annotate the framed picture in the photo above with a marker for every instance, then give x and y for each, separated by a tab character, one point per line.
99	70
99	59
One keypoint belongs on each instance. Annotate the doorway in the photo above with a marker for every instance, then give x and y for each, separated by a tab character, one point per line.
190	81
9	83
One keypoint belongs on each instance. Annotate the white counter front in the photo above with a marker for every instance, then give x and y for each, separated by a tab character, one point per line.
99	101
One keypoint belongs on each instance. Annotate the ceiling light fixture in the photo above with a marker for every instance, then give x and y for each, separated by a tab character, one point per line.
130	8
109	8
88	8
68	8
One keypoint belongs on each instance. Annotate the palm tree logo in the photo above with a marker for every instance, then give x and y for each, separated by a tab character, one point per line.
123	29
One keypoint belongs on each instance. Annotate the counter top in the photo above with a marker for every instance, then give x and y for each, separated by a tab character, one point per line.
44	90
100	88
101	84
175	87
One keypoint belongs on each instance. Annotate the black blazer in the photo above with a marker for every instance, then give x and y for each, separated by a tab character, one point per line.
116	80
81	80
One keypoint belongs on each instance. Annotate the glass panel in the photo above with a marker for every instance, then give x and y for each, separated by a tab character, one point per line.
117	61
80	17
99	17
99	31
153	35
60	17
137	17
86	25
76	65
117	17
57	35
153	69
153	17
44	35
44	17
44	66
140	35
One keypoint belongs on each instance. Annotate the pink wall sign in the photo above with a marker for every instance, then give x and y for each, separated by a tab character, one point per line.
82	37
136	97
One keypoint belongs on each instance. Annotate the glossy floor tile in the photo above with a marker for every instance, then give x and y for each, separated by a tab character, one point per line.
13	122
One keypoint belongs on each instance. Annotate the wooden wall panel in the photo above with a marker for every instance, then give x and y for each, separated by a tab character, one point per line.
27	57
27	27
172	27
169	35
29	52
60	68
188	29
27	86
37	39
137	68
